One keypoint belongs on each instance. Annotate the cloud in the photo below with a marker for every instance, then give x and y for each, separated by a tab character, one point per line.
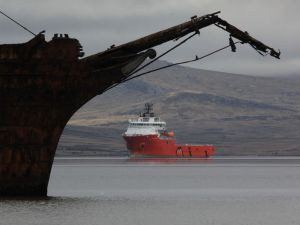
98	24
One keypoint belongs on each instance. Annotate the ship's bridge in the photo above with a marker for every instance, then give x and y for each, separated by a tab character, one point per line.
145	126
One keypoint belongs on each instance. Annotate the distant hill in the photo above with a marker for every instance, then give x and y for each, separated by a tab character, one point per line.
239	114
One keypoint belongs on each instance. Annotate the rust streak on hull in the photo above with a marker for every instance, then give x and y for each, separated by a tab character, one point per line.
42	84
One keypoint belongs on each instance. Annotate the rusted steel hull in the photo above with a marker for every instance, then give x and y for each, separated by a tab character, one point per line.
37	98
34	110
42	84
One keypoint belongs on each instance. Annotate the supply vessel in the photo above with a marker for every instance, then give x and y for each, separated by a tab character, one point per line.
147	136
43	83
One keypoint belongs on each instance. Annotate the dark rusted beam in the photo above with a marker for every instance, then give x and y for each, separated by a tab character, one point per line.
175	32
246	38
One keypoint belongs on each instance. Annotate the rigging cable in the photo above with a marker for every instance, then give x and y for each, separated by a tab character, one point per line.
16	22
157	58
152	61
180	63
171	65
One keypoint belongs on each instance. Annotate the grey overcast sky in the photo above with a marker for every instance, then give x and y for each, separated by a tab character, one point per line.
97	24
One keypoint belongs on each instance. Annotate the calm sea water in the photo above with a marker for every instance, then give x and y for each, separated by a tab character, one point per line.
116	191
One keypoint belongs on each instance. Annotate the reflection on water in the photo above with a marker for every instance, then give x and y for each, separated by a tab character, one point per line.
165	161
98	161
164	191
123	210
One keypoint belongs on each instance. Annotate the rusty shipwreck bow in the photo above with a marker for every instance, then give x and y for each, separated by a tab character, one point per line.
42	84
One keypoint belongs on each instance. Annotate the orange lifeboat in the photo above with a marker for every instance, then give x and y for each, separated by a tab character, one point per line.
171	134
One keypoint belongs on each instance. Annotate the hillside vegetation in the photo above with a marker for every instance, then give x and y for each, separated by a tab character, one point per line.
239	114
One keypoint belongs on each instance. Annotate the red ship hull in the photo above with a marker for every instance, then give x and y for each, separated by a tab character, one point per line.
153	146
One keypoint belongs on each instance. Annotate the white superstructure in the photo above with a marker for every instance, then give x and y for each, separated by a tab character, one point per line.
146	124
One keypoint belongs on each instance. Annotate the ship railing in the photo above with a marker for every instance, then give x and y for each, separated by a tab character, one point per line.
141	119
195	144
143	124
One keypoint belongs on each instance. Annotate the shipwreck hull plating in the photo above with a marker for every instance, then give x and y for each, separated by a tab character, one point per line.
38	95
43	83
